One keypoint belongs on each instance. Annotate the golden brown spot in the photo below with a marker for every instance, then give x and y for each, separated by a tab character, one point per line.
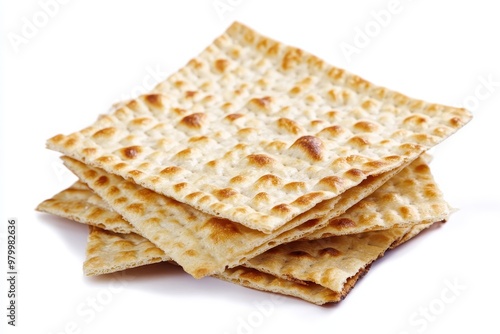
101	181
300	254
368	104
273	50
341	223
142	121
190	93
308	224
359	142
90	174
237	179
422	169
358	83
179	83
154	100
180	186
422	138
329	251
153	221
312	146
120	200
69	142
371	165
198	139
232	117
105	133
333	95
332	183
405	212
171	170
136	208
179	111
455	122
134	105
195	63
263	104
294	187
191	252
268	180
289	126
332	131
194	121
415	120
311	98
281	209
120	165
410	148
221	65
95	213
154	251
224	193
57	138
307	199
430	192
145	194
262	197
131	152
400	98
260	160
89	151
135	173
295	90
201	272
365	126
123	243
291	58
354	173
221	229
186	153
245	132
113	191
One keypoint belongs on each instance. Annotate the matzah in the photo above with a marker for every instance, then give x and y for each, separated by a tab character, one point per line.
73	203
202	244
340	262
257	132
108	252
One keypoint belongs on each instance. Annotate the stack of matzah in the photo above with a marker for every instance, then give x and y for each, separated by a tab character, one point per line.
250	147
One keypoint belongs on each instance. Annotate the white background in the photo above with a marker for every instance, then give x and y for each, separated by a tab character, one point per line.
91	54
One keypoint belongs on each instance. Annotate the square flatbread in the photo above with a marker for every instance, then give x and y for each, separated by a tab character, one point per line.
408	198
335	264
203	244
258	132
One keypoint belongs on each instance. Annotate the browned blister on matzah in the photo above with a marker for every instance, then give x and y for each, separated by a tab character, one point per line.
203	244
258	132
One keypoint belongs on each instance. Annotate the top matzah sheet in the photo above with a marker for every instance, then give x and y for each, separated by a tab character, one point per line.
259	132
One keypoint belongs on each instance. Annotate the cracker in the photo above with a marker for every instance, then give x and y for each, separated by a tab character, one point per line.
410	197
108	252
337	262
73	203
203	244
258	132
